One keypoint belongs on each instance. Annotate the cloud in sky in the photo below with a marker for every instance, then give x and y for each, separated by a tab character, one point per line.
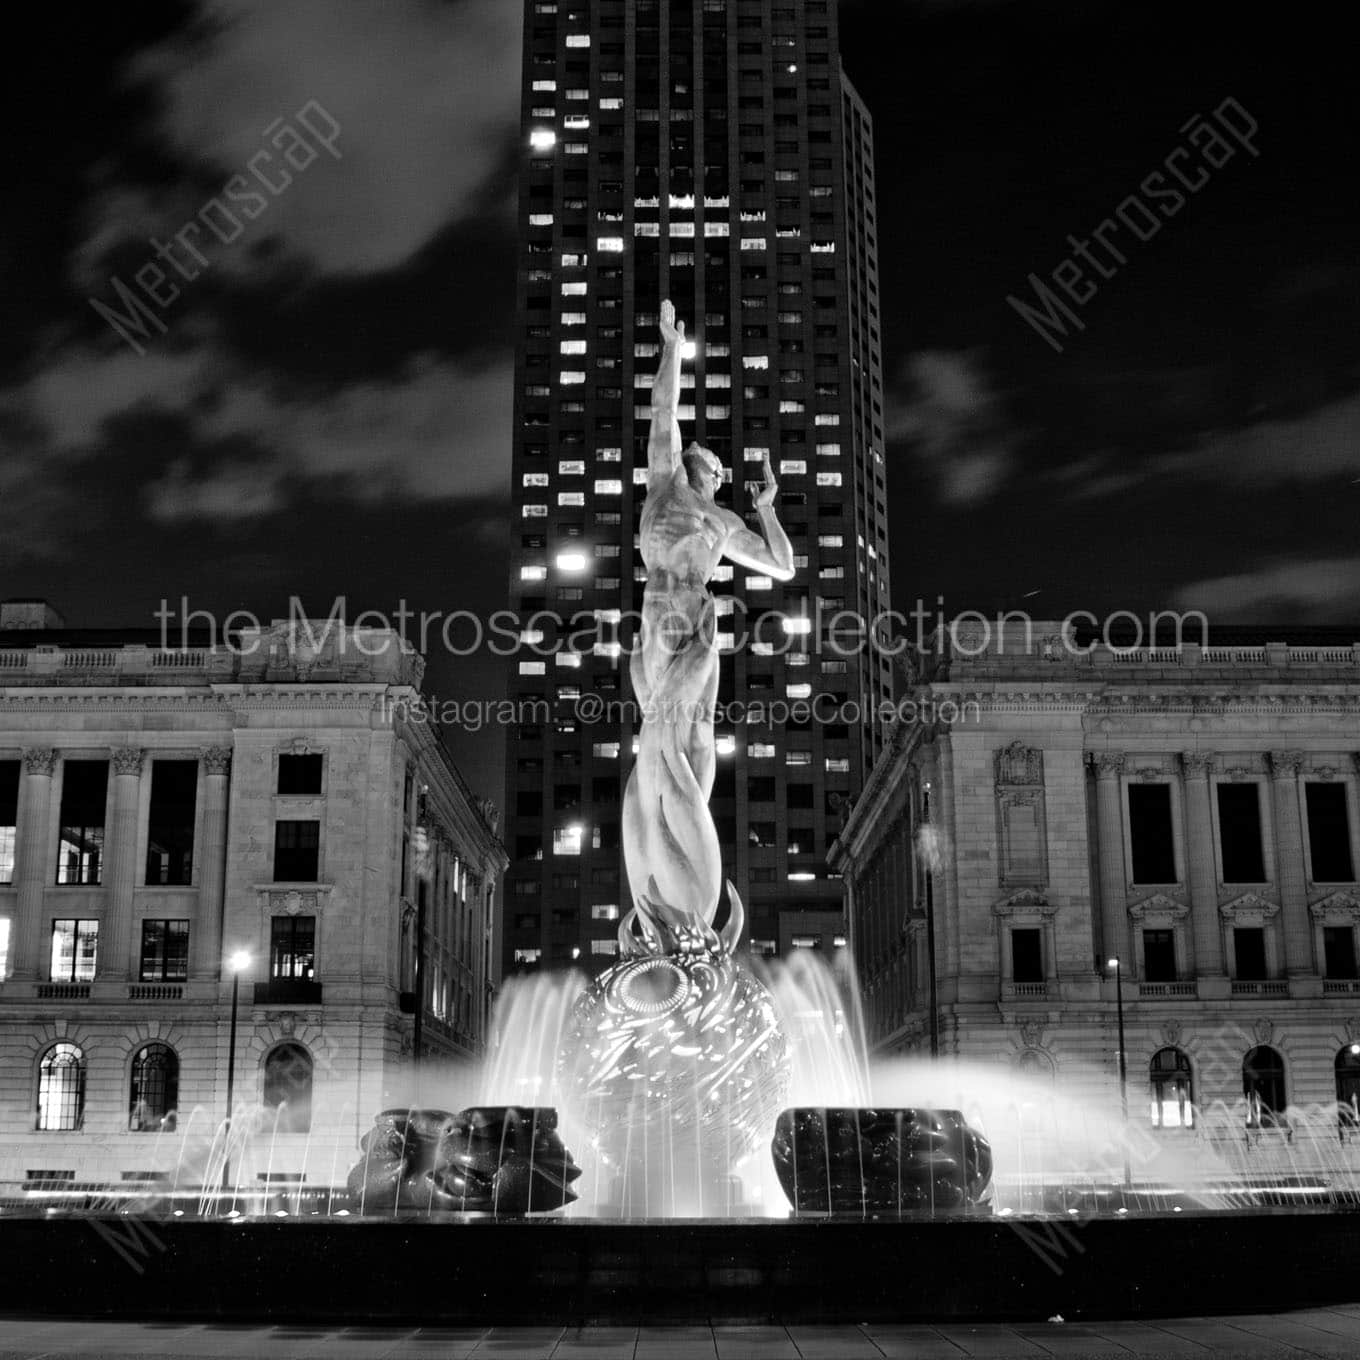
1316	589
426	94
436	431
943	406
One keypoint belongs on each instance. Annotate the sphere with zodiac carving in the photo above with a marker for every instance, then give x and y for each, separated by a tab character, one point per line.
677	1058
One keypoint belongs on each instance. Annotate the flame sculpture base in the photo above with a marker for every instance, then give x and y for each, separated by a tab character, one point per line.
676	1064
498	1159
851	1161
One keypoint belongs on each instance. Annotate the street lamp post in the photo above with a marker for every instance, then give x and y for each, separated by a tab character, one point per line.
1123	1062
238	963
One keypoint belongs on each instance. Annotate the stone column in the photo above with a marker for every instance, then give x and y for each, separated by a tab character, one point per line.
1114	926
1201	873
120	864
1290	876
946	900
31	869
206	931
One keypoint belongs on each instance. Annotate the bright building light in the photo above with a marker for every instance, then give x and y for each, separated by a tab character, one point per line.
542	139
239	961
688	350
572	560
798	625
726	745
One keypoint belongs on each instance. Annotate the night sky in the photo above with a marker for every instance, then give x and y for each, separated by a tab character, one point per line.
328	410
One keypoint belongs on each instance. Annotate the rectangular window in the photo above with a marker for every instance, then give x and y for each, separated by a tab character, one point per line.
165	951
84	791
170	833
1239	833
297	851
1150	838
300	774
1249	944
1159	956
1329	833
1027	955
75	948
9	817
292	948
1338	949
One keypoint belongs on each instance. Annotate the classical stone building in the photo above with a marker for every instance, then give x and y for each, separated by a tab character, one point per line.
162	810
1190	810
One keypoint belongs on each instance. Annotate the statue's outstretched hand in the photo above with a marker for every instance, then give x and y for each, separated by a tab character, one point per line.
766	494
672	331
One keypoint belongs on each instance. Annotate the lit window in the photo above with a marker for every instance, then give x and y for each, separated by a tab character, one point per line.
609	486
792	467
612	102
61	1088
1172	1099
571	498
578	39
604	911
544	85
798	758
611	245
639	476
759	583
570	661
528	956
75	947
540	219
799	691
788	407
573	318
609	455
533	573
717	229
571	467
572	559
761	750
755	361
609	947
605	750
576	122
577	289
828	479
753	243
824	419
533	667
572	379
830	541
726	745
543	139
646	228
838	765
573	347
828	450
573	261
530	637
535	512
567	840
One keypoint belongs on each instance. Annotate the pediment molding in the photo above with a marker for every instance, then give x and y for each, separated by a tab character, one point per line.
1248	904
1027	902
1158	905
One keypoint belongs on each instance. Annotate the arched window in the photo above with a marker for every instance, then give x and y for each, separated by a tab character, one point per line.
61	1088
1172	1090
1348	1087
1263	1087
153	1097
288	1087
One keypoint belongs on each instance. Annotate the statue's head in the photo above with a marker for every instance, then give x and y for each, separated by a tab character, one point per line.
704	470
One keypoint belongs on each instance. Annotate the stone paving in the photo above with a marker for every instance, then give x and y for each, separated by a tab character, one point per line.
1327	1332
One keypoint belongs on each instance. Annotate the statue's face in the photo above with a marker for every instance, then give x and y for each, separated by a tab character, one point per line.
705	471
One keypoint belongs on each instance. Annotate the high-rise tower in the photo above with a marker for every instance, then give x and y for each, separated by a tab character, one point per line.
712	152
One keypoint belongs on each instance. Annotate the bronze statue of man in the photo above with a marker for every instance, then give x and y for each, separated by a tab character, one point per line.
670	843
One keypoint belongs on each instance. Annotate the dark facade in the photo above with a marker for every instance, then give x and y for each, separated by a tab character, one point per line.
712	152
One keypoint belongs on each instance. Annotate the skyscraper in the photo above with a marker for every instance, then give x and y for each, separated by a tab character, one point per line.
712	152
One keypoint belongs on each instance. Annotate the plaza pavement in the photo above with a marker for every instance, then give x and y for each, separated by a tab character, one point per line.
1327	1332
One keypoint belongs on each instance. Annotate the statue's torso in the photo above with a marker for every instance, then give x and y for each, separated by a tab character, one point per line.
681	534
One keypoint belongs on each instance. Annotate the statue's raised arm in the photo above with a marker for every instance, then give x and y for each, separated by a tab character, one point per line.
664	444
769	551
